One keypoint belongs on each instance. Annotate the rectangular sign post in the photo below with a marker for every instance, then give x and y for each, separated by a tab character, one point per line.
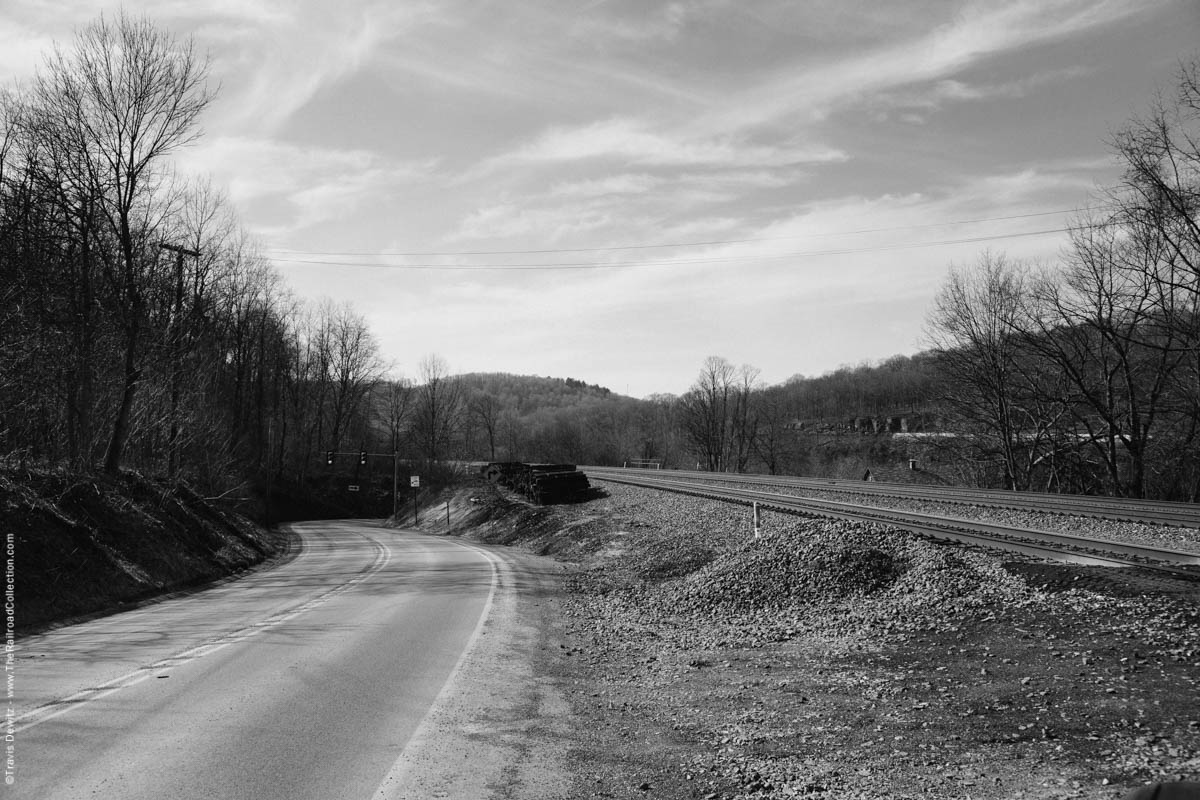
755	520
415	483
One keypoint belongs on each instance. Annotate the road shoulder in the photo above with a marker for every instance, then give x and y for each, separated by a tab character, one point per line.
501	727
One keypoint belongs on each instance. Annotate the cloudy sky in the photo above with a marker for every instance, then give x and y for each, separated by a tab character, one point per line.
614	190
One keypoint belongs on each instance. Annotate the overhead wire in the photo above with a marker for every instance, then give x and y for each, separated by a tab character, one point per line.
661	245
671	262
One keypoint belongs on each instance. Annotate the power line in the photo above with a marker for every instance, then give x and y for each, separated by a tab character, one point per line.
673	262
666	244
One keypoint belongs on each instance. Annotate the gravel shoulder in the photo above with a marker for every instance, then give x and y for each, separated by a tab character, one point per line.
501	724
833	660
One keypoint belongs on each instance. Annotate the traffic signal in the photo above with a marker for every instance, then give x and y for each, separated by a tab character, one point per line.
328	456
362	457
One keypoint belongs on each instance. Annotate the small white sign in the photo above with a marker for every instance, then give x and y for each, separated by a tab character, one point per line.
415	481
352	487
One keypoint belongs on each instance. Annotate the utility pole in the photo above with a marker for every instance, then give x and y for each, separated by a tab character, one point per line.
176	357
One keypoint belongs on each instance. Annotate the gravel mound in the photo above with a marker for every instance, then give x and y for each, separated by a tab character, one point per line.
697	558
834	560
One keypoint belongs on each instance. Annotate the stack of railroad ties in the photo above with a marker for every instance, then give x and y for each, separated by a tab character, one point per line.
541	483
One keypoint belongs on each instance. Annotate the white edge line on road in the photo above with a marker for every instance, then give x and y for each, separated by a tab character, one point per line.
393	781
56	708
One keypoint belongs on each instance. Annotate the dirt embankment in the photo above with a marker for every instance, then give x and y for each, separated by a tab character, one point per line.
86	545
831	660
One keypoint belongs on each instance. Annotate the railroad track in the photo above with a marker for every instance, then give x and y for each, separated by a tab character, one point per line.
1036	543
1121	509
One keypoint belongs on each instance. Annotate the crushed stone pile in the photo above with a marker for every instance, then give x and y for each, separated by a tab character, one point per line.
699	559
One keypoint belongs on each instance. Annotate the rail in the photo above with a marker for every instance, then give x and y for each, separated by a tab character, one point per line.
1038	543
1123	509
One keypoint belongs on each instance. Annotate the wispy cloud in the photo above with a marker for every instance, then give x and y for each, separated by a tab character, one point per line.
313	183
980	30
285	59
631	141
507	220
619	184
648	25
949	90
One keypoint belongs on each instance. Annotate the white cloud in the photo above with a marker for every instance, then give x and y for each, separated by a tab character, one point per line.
634	142
661	24
23	49
281	61
626	183
506	220
948	90
317	183
981	29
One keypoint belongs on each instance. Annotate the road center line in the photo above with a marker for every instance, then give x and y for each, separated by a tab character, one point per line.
56	708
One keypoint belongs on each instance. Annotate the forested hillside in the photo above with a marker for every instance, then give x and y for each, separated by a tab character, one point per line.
526	394
729	420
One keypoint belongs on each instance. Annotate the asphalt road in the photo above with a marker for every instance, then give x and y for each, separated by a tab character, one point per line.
306	680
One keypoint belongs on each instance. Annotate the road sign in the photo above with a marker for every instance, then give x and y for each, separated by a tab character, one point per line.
415	481
352	487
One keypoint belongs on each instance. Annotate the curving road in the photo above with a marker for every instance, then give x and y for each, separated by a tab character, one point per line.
306	680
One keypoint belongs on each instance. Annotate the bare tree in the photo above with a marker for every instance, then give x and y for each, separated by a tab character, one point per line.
398	401
485	409
1157	206
744	417
354	367
987	369
1096	321
659	428
51	231
774	442
1161	154
705	412
513	435
124	97
439	408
